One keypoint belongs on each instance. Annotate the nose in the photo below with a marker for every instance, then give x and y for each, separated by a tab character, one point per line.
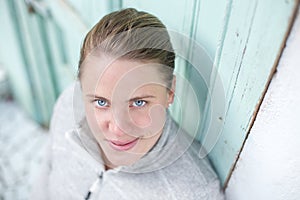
114	127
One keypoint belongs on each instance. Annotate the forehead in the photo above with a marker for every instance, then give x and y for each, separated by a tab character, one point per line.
104	74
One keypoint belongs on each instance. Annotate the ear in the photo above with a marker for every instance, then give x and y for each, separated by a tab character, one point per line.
171	92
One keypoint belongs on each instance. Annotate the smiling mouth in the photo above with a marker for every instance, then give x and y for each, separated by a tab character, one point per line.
123	146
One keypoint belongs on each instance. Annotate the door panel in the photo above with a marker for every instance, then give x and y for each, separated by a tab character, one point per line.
253	38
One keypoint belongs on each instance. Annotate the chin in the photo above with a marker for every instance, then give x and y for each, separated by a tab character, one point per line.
121	158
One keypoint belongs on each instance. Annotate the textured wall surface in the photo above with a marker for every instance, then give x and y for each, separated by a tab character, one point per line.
269	166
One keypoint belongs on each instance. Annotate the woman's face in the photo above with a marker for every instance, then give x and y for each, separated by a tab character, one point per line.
125	104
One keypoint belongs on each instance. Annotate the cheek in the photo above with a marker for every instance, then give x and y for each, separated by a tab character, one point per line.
93	118
140	118
149	121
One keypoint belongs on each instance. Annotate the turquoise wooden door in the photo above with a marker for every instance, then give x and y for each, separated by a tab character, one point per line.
34	70
242	39
253	38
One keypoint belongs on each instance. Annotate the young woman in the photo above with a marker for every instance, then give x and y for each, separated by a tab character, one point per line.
126	146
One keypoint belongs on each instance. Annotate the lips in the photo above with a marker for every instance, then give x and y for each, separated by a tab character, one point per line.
122	146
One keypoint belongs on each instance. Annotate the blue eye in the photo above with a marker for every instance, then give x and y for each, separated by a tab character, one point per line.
101	103
138	103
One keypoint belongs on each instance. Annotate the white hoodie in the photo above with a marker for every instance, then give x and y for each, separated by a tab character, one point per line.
73	167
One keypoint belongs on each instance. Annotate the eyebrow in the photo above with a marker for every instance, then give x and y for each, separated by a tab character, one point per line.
95	96
142	97
132	99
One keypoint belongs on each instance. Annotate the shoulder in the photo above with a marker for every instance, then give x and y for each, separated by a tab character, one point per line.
67	110
193	177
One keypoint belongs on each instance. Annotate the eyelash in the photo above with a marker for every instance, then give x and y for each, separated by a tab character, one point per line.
143	103
106	104
101	106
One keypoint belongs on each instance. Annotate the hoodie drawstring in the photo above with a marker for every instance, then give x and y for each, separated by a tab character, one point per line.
93	187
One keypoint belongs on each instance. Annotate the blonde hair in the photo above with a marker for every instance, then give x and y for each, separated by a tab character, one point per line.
133	35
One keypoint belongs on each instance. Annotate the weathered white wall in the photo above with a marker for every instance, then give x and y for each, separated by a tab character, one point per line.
269	166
